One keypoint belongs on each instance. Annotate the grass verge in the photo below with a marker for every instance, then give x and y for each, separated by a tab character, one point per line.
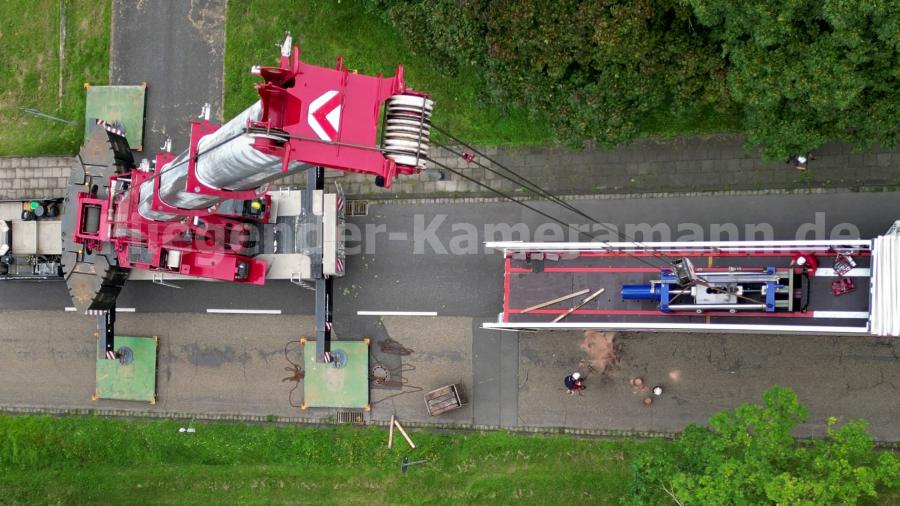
325	29
701	120
82	460
89	460
31	74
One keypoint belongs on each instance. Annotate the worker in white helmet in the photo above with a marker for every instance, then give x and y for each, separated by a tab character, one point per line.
799	161
574	383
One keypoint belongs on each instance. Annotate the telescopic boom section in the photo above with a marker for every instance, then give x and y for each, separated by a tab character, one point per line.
307	116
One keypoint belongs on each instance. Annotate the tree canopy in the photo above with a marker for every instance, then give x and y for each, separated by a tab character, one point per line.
799	72
748	456
809	71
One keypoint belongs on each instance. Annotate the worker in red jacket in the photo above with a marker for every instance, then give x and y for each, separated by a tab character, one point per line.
574	383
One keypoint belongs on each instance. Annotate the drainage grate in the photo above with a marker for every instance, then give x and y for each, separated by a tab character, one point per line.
357	208
350	416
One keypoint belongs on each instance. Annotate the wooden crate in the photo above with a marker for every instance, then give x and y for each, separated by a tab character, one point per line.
443	399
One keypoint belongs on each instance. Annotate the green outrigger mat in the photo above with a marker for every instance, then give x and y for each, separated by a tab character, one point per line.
133	382
123	104
325	386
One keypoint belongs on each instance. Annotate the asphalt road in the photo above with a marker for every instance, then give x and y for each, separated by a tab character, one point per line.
177	48
235	364
400	269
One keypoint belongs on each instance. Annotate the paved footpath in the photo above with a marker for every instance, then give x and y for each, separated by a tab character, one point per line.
233	366
698	164
33	177
717	163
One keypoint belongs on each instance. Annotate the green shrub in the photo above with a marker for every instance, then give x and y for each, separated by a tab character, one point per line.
791	75
595	69
748	456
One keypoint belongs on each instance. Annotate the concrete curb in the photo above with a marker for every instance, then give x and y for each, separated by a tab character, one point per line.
291	420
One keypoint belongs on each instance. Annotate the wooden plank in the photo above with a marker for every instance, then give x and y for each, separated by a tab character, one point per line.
579	306
445	395
459	396
556	300
439	393
447	405
391	434
405	435
446	402
445	409
448	399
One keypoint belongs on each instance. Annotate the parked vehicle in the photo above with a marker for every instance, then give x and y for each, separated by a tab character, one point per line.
30	246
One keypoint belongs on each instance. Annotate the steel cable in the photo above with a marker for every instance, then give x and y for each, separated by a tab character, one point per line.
534	188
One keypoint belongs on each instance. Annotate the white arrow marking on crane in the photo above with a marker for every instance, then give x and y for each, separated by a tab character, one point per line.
324	115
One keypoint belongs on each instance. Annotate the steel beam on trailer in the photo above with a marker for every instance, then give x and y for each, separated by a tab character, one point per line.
688	246
324	306
315	180
681	327
718	253
106	328
828	272
853	315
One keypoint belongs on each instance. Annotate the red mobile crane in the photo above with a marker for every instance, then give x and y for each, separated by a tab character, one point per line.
199	213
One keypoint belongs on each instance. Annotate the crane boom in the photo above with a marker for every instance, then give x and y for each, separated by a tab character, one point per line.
200	213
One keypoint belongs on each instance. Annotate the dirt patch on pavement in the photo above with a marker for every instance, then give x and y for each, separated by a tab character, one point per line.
602	350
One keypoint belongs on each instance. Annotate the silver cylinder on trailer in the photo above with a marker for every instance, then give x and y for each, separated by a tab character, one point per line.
736	307
226	160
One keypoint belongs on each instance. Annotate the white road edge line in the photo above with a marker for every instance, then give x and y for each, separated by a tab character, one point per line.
70	309
244	311
396	313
